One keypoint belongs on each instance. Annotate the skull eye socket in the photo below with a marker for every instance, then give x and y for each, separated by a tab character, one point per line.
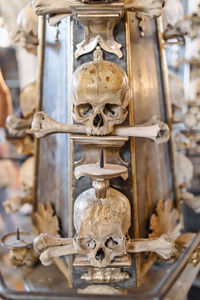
113	243
111	110
85	110
87	243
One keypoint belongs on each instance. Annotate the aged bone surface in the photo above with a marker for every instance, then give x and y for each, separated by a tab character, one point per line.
194	90
182	242
191	119
28	99
192	201
23	256
101	94
19	126
185	170
163	246
177	91
24	144
26	193
175	27
43	125
194	49
101	233
27	29
7	173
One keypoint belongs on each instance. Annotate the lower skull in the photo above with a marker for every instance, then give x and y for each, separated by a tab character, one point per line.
102	226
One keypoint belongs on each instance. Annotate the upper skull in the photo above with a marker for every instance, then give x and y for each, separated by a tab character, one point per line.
28	99
102	226
177	91
101	94
173	19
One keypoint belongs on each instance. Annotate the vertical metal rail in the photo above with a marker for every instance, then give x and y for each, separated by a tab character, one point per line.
41	47
168	105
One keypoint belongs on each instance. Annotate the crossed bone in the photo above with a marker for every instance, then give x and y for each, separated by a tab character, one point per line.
50	247
154	129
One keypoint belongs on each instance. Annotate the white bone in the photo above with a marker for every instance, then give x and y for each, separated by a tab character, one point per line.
50	254
192	201
150	8
26	33
184	169
172	13
194	49
43	125
175	26
44	241
194	7
17	126
14	203
177	91
194	90
163	246
7	173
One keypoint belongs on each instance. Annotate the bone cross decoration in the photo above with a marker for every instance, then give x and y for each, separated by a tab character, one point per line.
101	233
154	129
101	94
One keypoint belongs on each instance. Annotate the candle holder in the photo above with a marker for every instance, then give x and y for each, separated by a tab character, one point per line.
101	173
21	248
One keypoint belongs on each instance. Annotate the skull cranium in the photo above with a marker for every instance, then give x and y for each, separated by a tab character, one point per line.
101	95
173	20
28	99
27	29
102	226
194	49
194	92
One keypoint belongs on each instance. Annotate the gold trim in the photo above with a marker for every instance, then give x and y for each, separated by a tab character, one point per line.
70	216
168	104
132	146
39	94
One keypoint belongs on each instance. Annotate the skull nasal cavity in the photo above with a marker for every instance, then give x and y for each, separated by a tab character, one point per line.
100	254
98	121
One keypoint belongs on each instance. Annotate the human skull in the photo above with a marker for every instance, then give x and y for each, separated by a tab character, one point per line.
27	29
194	7
23	256
173	19
194	49
194	92
28	99
185	170
101	226
27	175
177	91
101	94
